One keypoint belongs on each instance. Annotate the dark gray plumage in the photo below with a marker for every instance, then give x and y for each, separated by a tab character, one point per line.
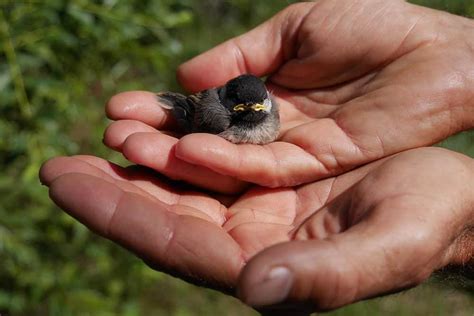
241	111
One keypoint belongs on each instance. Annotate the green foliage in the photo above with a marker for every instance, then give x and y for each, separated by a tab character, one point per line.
460	7
59	62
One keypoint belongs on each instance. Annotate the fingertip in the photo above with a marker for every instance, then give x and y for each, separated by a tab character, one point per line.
133	149
59	166
266	279
49	170
117	132
114	136
141	106
149	149
120	104
112	107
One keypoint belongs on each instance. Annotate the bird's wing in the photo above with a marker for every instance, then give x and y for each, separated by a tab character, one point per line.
210	115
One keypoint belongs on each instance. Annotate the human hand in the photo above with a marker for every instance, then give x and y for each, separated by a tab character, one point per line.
375	230
356	81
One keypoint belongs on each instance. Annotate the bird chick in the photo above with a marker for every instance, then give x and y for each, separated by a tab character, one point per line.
241	111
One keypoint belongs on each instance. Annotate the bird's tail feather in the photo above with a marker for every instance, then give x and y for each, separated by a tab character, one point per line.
168	100
179	105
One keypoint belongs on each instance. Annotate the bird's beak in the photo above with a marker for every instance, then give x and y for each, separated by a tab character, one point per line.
240	107
258	107
254	107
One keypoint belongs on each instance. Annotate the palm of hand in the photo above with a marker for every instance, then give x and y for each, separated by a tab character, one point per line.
186	232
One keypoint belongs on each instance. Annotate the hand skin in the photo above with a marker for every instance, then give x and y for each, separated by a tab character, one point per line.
356	81
384	227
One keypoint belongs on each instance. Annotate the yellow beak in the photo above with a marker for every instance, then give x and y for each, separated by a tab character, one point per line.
255	107
258	107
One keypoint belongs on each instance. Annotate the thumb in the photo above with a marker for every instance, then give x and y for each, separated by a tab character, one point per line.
367	260
259	52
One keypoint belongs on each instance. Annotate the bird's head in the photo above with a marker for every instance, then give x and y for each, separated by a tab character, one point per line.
246	97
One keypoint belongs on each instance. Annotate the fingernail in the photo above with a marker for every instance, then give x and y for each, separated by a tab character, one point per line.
273	289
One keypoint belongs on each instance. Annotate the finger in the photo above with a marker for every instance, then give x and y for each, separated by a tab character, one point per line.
260	52
130	180
141	106
188	201
305	153
183	245
136	181
117	132
58	166
339	44
272	165
301	50
157	151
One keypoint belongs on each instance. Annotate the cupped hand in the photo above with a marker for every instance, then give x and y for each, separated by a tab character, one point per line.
377	229
356	81
136	136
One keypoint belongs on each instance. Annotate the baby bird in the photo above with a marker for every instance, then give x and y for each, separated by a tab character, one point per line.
241	111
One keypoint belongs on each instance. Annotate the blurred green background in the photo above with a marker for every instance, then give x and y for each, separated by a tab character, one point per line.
59	63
